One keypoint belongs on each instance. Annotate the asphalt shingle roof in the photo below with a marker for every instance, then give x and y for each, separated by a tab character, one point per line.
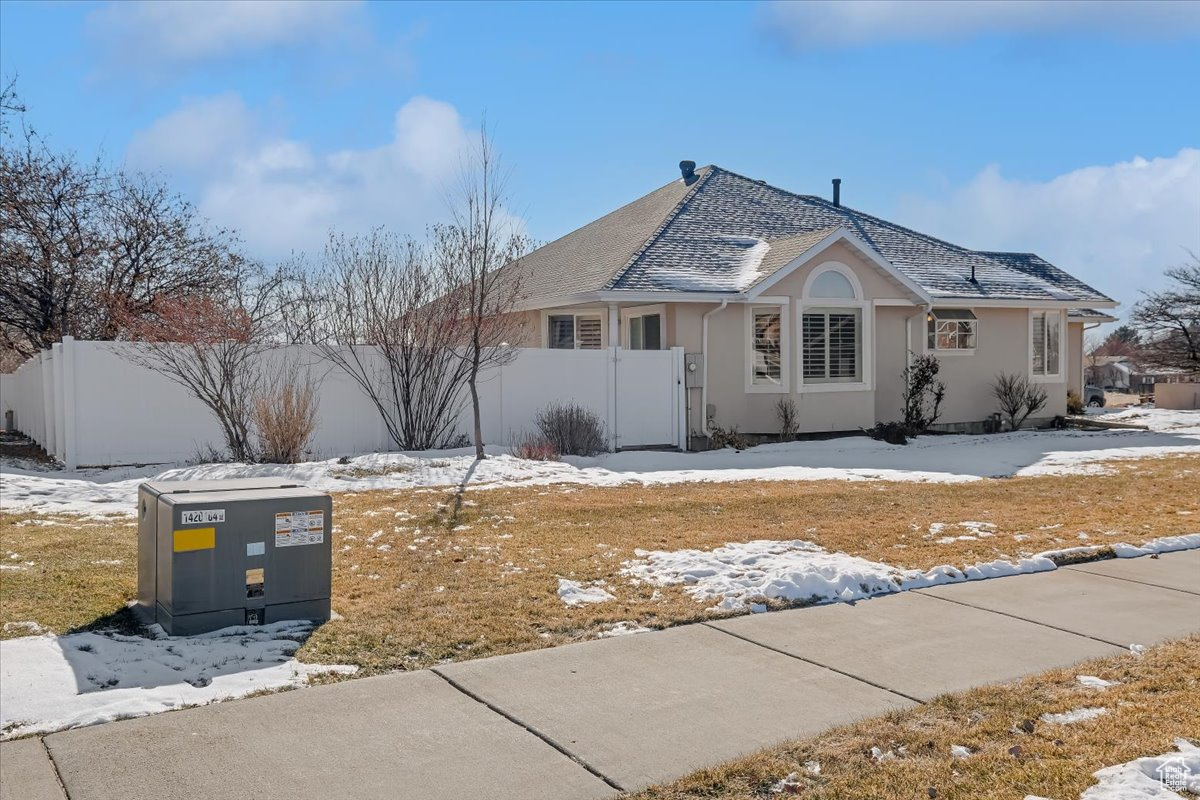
725	232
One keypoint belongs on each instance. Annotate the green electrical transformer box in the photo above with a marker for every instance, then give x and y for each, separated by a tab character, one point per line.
212	554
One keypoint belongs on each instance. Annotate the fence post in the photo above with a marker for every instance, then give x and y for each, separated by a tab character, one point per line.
613	436
68	395
680	398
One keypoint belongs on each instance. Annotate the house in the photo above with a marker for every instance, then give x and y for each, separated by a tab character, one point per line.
1126	374
777	295
1110	373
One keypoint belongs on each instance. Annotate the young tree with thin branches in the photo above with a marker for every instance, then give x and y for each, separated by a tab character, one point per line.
480	252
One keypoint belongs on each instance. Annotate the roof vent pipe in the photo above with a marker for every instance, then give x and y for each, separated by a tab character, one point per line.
688	170
837	191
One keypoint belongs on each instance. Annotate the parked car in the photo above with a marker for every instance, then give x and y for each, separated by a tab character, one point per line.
1093	396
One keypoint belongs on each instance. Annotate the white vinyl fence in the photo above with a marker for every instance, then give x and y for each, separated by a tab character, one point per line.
89	406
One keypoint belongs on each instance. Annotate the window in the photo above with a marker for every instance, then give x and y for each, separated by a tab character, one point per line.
832	284
1045	343
645	332
574	332
832	345
767	357
952	329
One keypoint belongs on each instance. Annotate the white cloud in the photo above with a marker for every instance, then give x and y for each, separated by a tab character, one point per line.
185	32
1116	226
282	195
825	24
196	135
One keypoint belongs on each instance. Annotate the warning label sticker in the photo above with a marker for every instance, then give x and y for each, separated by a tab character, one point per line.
299	527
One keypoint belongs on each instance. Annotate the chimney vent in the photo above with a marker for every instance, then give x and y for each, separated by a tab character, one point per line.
837	191
688	170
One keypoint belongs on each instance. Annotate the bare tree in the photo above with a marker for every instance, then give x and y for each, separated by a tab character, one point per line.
155	245
480	251
212	347
1169	320
49	242
78	240
379	309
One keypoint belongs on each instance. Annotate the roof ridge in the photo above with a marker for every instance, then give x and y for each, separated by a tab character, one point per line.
667	220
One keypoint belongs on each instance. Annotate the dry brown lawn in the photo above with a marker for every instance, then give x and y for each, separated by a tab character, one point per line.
425	576
1157	701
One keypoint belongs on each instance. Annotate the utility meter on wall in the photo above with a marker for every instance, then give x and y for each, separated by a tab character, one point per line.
212	554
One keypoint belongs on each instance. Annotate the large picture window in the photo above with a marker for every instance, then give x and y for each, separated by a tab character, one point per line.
767	355
574	332
952	329
832	345
1046	343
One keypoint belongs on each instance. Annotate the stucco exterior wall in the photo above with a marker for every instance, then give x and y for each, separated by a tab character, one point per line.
893	324
1075	357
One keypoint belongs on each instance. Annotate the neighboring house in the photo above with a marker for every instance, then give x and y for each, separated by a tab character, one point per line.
1125	374
1110	373
776	295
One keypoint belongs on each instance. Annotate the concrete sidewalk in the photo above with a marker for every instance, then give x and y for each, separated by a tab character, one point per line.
589	720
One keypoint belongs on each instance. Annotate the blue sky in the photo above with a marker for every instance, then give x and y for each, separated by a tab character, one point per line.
1065	129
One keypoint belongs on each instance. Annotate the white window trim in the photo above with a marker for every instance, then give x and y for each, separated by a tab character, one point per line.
644	311
1057	377
938	351
866	311
598	311
785	378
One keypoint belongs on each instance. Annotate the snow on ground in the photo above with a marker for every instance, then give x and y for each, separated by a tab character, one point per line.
574	593
802	572
1152	778
623	628
1157	419
99	492
1073	716
50	683
1092	682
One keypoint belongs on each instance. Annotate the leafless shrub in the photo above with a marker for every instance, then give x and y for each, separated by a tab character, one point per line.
720	438
532	445
285	414
572	430
1074	402
789	423
379	314
1018	397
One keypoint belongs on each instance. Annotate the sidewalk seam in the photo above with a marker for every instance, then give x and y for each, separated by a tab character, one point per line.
54	766
850	675
1078	568
1027	619
496	709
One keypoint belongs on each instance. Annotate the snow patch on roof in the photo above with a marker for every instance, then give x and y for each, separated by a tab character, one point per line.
749	266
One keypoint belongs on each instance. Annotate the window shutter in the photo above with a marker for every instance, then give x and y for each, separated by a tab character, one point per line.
1038	344
843	345
813	333
589	333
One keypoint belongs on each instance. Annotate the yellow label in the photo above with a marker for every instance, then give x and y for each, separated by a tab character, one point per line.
195	539
254	576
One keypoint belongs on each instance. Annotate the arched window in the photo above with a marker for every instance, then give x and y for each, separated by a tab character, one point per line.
831	327
832	284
